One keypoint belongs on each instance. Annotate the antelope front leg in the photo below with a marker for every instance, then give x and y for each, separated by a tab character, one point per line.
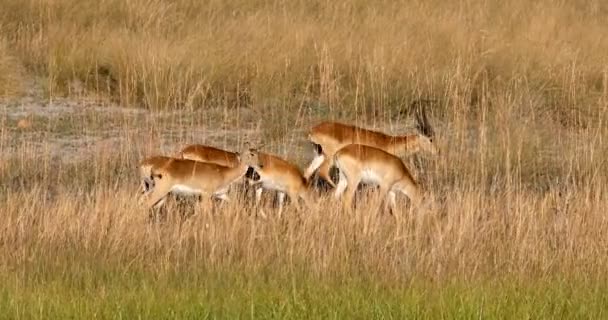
351	188
258	195
281	201
314	165
156	198
324	172
222	196
411	190
342	184
392	201
258	190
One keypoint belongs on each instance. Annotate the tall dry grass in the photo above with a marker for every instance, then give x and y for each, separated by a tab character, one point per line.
345	56
12	73
519	189
504	199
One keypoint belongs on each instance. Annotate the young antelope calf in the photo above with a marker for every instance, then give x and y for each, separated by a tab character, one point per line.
360	163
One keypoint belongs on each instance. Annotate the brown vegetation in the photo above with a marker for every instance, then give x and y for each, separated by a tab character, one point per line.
522	91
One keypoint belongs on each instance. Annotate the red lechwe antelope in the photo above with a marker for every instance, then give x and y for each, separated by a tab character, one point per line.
145	167
209	154
328	137
194	152
280	175
360	163
204	153
185	176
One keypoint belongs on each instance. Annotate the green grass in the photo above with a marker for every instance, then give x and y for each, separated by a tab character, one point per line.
221	296
85	290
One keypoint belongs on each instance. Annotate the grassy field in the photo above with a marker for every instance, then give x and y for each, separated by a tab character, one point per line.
515	224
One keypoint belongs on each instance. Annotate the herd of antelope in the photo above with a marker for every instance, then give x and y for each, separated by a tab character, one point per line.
360	155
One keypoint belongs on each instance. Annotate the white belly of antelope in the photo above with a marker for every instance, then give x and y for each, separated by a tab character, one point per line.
272	185
185	190
370	177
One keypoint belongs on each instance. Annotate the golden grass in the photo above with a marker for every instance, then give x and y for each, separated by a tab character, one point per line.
12	80
503	200
348	56
467	235
519	188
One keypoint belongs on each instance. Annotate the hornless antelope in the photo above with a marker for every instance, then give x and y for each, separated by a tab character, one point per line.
185	176
209	154
328	137
360	163
204	153
193	152
281	176
145	167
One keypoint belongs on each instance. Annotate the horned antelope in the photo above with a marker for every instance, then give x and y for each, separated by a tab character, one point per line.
360	163
328	137
185	176
279	175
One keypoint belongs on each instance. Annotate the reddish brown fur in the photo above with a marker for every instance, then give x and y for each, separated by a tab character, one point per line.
332	136
145	167
282	176
210	154
270	164
203	177
359	162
